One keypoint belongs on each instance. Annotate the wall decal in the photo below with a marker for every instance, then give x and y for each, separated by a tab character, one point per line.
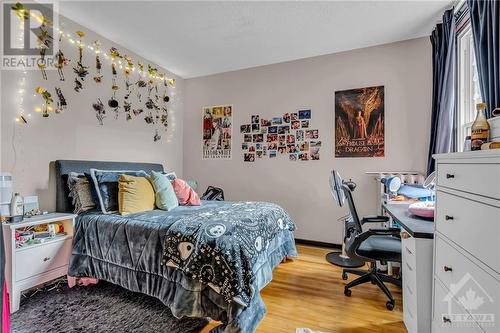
288	134
359	123
217	131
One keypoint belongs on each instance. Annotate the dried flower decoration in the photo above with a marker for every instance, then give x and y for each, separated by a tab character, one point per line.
47	98
100	112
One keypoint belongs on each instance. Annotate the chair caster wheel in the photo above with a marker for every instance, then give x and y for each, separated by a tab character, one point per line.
347	292
344	276
389	305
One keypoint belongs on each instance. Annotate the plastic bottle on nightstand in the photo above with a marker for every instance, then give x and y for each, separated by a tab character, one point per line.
17	205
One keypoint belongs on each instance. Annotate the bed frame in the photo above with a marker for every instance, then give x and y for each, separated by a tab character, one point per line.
64	167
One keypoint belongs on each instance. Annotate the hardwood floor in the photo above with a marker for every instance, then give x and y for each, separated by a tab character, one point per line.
309	292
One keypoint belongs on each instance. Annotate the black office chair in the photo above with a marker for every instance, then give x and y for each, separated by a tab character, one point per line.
381	244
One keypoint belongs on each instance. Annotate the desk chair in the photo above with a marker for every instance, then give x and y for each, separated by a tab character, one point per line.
381	244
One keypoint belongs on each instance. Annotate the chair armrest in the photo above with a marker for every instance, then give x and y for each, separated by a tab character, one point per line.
375	232
374	219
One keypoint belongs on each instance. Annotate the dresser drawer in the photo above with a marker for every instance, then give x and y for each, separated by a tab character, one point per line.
472	225
33	261
480	179
449	315
410	318
408	252
468	280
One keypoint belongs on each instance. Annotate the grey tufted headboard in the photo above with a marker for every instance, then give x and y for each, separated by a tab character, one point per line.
64	167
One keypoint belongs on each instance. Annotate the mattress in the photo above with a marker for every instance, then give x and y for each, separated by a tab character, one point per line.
138	252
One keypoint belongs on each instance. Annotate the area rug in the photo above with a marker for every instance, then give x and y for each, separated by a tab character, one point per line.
100	308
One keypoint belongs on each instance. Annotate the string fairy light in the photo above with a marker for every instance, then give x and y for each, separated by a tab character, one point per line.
155	76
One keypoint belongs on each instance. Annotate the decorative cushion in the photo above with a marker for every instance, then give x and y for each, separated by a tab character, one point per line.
185	194
135	194
80	191
106	186
165	197
170	175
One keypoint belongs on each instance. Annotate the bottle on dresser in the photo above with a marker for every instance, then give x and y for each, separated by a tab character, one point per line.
480	128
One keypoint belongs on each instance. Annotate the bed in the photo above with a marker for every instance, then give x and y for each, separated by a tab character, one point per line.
204	261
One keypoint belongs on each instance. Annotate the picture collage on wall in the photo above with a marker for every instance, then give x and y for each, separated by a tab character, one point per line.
289	135
217	131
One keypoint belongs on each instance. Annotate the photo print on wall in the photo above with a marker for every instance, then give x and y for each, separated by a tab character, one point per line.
288	135
217	132
359	122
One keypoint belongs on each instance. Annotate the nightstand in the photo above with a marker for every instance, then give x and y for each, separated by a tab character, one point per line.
39	262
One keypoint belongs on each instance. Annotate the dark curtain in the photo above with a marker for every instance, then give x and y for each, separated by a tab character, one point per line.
485	17
443	88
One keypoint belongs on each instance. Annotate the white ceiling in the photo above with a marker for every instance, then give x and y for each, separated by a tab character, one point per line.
200	38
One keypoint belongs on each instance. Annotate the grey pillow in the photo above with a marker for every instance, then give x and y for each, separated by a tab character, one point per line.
80	192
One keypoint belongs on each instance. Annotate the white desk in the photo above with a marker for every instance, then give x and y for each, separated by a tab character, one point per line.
416	251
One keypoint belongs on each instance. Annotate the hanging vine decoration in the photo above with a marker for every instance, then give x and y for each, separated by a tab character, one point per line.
112	102
80	70
98	65
61	61
61	104
127	71
47	99
100	111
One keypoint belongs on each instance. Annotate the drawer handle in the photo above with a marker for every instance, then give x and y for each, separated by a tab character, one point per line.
449	175
409	290
409	267
408	250
448	269
446	320
46	259
448	217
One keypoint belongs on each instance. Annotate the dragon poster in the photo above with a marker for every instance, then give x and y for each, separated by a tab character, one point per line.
359	122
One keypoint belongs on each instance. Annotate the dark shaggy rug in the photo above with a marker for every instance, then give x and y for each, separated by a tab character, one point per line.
100	308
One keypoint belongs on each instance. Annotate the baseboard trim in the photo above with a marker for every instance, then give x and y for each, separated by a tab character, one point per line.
318	244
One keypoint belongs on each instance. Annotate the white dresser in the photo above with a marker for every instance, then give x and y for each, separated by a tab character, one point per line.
466	281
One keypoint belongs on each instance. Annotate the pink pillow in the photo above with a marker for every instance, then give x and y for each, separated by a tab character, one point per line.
185	194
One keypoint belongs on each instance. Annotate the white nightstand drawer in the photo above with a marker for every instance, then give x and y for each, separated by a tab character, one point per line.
39	259
471	225
469	281
449	315
408	251
480	179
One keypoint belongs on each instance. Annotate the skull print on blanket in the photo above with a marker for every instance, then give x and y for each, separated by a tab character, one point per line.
220	247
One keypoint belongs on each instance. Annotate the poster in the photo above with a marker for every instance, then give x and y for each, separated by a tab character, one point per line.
217	131
359	123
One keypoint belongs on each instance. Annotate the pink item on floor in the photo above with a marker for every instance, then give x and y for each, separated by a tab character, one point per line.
185	194
5	310
81	281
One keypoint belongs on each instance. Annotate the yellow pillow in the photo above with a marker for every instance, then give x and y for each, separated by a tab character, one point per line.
135	194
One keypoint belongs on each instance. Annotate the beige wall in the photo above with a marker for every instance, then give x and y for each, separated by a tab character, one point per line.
76	134
302	188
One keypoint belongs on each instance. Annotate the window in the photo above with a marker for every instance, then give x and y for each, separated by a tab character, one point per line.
469	93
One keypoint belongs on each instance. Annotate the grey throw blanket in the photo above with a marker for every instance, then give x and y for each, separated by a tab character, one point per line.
220	247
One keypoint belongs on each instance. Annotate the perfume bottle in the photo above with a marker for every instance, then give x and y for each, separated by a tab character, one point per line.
480	128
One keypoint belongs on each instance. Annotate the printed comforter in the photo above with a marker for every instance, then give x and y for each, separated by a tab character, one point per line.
205	261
